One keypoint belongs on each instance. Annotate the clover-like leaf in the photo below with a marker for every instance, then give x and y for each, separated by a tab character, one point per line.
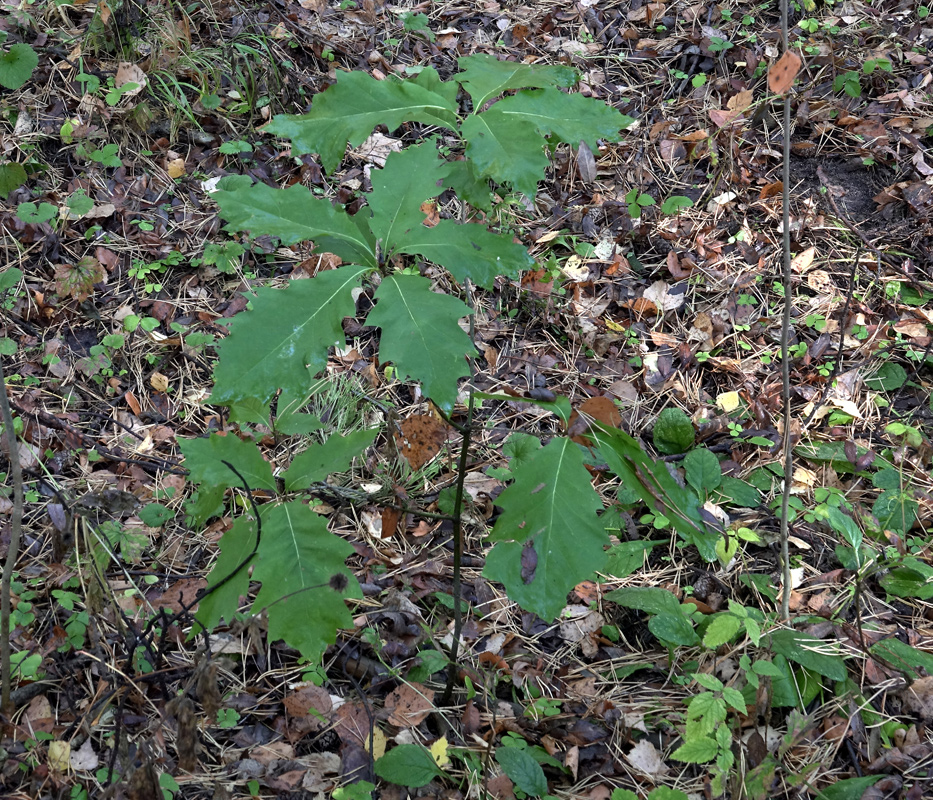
293	215
484	76
420	335
282	342
350	109
551	510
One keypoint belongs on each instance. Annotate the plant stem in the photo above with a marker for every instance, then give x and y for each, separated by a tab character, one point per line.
785	337
457	589
16	528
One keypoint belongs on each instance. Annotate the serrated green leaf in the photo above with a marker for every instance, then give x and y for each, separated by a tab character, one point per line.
657	488
357	103
204	459
16	65
420	335
696	751
320	460
484	77
721	629
282	343
895	510
407	180
408	765
468	251
735	699
523	770
294	215
12	176
551	504
297	558
822	657
703	471
222	603
624	558
708	681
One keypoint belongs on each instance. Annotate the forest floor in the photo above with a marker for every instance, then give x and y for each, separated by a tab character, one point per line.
658	287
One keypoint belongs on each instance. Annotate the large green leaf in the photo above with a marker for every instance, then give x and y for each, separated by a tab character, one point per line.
469	251
420	335
552	510
282	343
350	109
656	486
484	76
471	187
293	215
506	149
297	559
204	459
408	765
407	180
222	603
822	657
502	145
320	460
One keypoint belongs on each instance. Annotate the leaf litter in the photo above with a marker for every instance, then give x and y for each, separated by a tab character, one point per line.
682	312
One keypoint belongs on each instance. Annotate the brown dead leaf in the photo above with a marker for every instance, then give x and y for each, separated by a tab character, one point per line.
77	280
422	437
308	708
782	73
410	705
390	519
128	72
802	261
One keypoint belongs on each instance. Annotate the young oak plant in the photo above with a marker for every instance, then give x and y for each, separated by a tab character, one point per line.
276	349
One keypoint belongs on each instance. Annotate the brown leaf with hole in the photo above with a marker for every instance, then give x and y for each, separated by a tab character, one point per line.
782	73
422	437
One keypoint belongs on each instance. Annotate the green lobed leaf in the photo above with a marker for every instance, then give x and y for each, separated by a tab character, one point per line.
294	215
420	335
502	146
468	251
803	649
523	770
357	103
297	558
657	488
222	603
673	629
626	557
320	460
461	176
739	493
407	180
484	77
204	459
552	505
16	65
408	765
282	342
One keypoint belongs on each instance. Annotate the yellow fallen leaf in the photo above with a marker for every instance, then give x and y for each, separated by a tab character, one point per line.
379	744
439	752
175	168
59	756
728	401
